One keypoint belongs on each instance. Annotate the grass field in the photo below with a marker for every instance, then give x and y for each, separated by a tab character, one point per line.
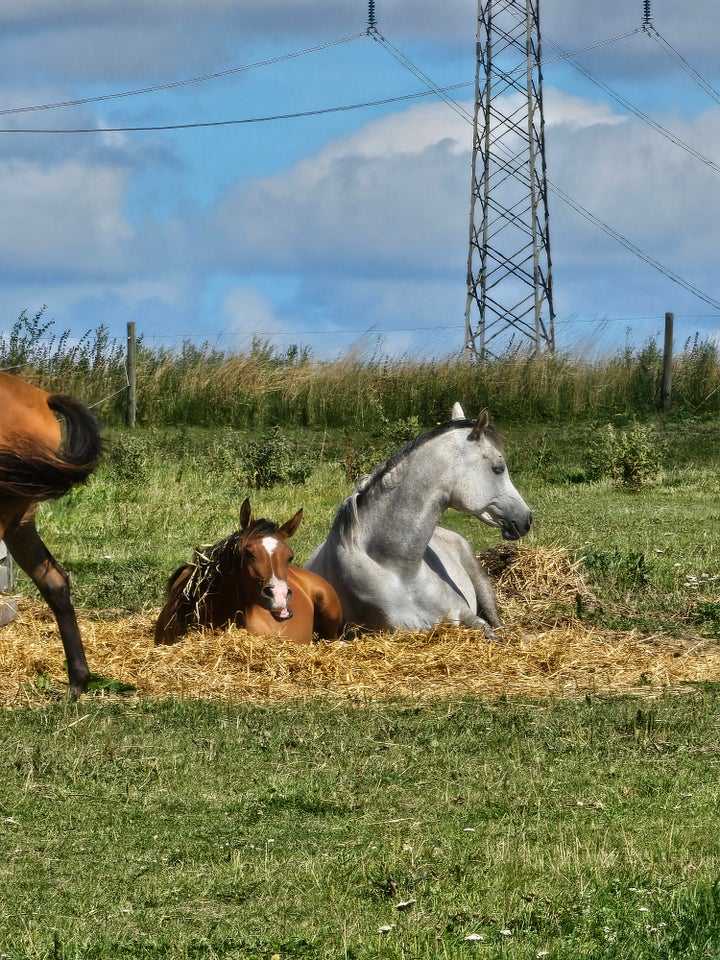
158	494
321	827
455	828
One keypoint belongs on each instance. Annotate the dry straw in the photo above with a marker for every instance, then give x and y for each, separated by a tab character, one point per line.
545	651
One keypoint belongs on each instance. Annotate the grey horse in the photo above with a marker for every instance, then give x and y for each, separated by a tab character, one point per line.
390	563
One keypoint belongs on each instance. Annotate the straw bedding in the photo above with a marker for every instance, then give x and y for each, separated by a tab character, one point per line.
545	651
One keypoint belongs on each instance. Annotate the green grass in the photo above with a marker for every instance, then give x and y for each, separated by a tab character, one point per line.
182	829
142	829
650	555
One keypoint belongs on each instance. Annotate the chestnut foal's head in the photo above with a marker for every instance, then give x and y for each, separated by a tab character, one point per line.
265	558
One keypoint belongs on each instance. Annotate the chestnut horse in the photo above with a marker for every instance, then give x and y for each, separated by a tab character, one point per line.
42	460
247	580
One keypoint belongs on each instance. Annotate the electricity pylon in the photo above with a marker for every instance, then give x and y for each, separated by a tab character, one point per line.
509	277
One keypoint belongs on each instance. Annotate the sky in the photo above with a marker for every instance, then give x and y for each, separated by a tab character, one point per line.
345	230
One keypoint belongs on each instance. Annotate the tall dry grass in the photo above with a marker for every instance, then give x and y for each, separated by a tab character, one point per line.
202	386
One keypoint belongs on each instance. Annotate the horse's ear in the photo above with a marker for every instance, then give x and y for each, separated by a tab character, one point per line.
457	412
245	514
290	526
481	424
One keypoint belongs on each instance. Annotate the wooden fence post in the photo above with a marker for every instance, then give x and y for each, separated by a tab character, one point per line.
666	388
131	374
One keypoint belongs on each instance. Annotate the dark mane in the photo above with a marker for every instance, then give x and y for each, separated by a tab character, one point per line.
381	471
210	564
346	516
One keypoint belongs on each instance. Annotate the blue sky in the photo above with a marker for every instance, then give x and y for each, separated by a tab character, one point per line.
345	230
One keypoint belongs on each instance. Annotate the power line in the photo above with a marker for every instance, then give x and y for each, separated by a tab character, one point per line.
636	111
682	63
245	120
174	84
633	248
432	89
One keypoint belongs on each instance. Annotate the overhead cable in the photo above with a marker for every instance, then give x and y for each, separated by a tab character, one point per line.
225	123
636	111
173	84
683	64
633	247
432	87
596	221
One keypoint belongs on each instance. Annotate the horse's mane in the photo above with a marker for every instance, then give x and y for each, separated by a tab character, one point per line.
347	515
209	564
193	585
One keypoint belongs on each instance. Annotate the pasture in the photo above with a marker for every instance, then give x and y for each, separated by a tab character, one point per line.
553	795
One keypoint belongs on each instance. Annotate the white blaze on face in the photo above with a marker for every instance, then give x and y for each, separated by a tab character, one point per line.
270	543
279	587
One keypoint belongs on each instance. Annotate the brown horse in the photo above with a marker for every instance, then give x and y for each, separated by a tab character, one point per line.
247	580
42	460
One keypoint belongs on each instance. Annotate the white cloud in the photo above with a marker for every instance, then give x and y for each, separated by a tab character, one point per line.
392	197
248	312
67	217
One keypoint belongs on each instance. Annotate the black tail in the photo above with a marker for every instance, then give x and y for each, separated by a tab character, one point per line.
34	472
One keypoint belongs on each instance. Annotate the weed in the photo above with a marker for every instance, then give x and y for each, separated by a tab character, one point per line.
363	454
631	458
199	385
707	614
273	459
626	569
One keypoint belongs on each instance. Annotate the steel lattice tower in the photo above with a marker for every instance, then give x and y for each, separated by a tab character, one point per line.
509	277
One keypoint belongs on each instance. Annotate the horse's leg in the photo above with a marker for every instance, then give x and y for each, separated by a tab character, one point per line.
486	610
328	616
29	551
327	612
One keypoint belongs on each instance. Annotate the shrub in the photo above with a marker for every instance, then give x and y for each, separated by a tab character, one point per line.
274	459
362	456
129	455
631	457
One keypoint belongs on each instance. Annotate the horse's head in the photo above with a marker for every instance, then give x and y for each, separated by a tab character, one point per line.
265	557
482	484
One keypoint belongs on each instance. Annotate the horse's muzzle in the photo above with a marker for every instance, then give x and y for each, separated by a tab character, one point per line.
277	601
512	530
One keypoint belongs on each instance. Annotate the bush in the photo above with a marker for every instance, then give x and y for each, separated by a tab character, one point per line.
274	459
361	457
631	458
129	455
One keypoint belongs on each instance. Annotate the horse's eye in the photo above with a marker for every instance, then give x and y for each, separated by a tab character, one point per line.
499	468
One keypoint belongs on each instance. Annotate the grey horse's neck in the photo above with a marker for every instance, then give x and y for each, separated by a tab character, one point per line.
397	508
